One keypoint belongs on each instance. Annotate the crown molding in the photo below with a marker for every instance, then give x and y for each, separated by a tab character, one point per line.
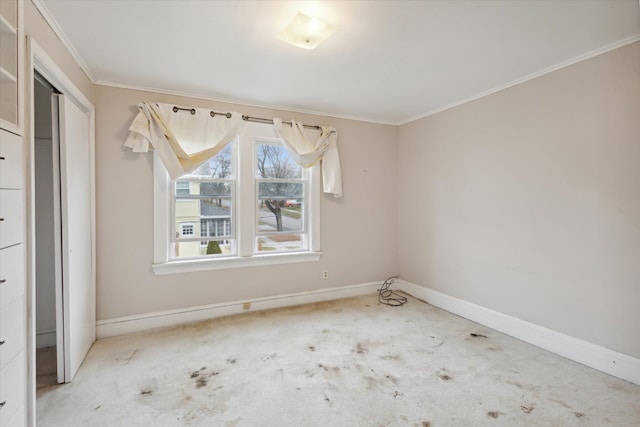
55	27
528	77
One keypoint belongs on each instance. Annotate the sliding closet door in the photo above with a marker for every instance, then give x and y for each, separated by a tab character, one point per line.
78	295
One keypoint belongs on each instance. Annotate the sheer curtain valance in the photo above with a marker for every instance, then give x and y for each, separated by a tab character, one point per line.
185	140
307	153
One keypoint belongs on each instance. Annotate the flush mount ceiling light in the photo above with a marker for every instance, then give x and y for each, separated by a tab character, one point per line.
306	32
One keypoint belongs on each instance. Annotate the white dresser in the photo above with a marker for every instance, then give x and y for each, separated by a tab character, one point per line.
13	368
12	282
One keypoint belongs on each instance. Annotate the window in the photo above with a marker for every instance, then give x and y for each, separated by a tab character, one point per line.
215	227
280	199
250	204
186	229
182	188
206	196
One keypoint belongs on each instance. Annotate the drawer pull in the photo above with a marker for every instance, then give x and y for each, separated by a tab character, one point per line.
4	402
1	157
2	342
1	219
3	280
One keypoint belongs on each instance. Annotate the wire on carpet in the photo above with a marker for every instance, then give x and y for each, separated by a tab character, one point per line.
387	296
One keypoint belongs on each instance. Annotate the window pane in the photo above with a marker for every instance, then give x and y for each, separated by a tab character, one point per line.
187	229
214	227
203	219
182	188
280	242
280	190
280	215
215	189
219	166
199	249
217	247
212	214
200	189
274	162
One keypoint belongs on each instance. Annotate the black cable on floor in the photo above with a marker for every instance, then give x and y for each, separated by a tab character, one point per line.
387	296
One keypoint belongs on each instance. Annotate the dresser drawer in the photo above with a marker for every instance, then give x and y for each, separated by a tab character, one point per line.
11	217
12	272
11	161
12	388
12	331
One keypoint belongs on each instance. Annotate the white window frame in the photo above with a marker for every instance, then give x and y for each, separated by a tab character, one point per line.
305	180
246	215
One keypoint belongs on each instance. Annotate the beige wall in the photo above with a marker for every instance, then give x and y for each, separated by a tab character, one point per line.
527	201
359	232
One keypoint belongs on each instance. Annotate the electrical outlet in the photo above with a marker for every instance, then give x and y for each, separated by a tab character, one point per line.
246	306
325	274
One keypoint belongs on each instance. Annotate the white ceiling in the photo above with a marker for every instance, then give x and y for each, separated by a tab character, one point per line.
388	61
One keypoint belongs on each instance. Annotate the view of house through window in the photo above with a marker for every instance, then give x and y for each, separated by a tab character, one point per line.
204	202
207	203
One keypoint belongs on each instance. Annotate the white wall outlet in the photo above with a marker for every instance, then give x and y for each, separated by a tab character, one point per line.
325	274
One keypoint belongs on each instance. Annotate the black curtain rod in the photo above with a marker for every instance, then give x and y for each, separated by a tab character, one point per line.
261	120
245	118
193	111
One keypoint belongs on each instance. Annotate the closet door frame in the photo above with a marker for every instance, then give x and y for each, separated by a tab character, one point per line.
38	60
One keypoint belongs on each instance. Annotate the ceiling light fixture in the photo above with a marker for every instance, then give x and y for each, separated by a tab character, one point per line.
306	32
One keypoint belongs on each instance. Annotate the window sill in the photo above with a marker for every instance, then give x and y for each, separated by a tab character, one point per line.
191	265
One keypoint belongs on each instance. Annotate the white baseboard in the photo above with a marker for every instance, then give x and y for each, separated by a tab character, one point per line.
603	359
45	339
130	324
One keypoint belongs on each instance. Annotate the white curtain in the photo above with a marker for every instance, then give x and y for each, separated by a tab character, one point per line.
307	153
183	140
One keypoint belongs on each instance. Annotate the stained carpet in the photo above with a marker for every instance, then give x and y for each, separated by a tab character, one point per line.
350	362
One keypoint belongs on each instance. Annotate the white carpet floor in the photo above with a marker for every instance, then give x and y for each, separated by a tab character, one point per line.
351	362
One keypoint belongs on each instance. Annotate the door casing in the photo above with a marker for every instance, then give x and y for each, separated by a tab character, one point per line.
40	61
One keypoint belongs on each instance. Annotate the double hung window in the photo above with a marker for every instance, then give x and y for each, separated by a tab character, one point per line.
280	191
250	204
206	198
